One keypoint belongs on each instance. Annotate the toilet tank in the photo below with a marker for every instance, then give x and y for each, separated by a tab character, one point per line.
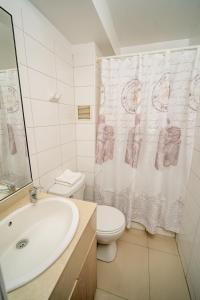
75	191
79	194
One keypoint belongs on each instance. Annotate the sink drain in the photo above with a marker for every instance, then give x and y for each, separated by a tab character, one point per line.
22	243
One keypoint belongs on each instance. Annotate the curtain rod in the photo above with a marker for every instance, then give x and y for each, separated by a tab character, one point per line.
147	52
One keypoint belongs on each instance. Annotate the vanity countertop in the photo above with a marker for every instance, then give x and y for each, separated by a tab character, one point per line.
42	286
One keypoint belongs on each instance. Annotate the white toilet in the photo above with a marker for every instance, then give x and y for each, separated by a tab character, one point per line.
110	221
110	226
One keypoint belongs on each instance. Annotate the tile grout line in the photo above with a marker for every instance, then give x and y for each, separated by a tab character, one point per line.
155	249
185	275
131	243
169	253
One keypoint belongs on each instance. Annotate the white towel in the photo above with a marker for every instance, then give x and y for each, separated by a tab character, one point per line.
68	177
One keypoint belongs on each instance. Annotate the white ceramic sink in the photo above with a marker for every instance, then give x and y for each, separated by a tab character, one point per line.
47	227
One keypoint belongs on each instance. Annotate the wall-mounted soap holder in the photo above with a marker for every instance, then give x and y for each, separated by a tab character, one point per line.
55	97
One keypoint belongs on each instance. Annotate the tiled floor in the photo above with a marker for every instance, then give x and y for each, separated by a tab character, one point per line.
146	268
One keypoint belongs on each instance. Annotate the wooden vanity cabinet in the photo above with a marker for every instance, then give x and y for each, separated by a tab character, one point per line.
85	285
79	278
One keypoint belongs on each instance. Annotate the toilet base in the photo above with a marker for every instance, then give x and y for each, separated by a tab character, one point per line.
107	252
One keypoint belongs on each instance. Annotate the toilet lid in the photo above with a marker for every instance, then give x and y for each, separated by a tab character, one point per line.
109	219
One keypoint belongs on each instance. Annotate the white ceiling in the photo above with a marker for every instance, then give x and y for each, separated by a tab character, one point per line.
77	20
135	21
140	22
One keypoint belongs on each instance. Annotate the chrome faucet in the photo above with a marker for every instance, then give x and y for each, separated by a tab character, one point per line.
34	194
11	187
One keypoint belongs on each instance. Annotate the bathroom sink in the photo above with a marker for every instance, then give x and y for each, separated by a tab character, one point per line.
33	237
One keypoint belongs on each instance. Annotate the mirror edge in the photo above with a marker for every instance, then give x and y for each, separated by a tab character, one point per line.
23	114
8	202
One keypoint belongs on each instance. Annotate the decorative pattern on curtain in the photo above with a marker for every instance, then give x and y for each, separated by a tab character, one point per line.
145	135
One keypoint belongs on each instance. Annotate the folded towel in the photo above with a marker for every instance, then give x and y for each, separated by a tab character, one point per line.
3	188
11	139
68	177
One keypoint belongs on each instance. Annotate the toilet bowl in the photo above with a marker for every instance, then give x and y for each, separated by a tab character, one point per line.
110	220
110	226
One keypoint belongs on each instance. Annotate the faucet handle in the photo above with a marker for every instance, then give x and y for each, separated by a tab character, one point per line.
35	189
38	188
34	193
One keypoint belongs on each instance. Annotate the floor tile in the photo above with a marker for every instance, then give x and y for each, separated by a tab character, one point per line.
162	243
135	236
103	295
127	276
167	280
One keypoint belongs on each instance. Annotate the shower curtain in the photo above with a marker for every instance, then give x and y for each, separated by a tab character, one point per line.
145	135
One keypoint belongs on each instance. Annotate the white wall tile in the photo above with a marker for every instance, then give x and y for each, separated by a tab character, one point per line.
84	76
39	58
42	86
67	133
44	113
85	164
66	114
48	160
71	164
85	148
64	71
84	95
46	137
68	151
66	92
63	49
47	180
85	132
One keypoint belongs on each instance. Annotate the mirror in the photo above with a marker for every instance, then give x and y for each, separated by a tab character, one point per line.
15	171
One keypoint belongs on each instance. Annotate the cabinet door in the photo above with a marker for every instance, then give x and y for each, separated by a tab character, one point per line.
87	282
91	278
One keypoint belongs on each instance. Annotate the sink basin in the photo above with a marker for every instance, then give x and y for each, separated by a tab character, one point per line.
33	237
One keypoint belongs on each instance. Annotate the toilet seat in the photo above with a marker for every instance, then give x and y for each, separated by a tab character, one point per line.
110	232
109	220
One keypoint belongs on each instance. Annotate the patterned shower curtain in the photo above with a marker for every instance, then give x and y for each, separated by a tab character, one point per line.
145	135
